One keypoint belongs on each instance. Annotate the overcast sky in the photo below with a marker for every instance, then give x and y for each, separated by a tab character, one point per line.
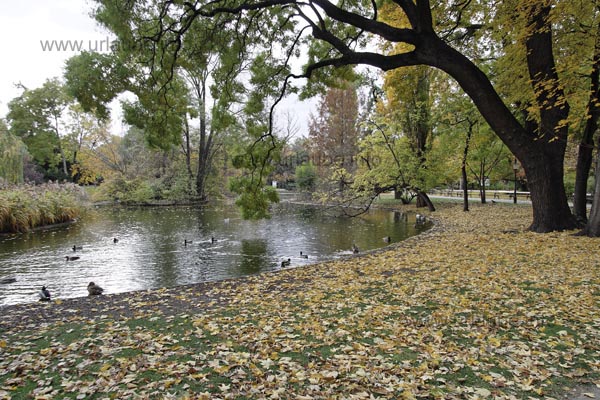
23	25
26	27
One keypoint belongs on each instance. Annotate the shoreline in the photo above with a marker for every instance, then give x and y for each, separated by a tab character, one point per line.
53	311
387	247
477	300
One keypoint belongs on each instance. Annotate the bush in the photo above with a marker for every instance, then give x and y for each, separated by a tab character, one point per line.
126	191
140	191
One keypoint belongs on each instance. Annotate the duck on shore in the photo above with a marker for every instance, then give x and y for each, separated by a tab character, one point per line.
94	290
355	249
44	294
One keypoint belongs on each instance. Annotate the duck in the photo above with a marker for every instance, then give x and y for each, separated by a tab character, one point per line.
302	255
213	240
5	281
186	242
44	294
355	249
387	239
115	240
94	289
72	258
75	248
286	263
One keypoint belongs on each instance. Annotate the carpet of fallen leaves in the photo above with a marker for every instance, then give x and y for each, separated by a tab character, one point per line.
475	308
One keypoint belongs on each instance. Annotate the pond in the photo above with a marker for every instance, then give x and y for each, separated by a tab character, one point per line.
151	251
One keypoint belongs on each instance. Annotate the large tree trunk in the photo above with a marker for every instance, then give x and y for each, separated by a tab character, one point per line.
205	147
582	174
584	156
592	228
203	154
540	152
551	211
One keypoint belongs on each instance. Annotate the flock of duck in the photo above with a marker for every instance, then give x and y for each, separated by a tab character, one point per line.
92	288
355	250
44	294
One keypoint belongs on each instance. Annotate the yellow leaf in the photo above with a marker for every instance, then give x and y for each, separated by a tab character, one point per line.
105	367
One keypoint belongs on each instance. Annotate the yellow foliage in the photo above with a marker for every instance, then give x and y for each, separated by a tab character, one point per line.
477	307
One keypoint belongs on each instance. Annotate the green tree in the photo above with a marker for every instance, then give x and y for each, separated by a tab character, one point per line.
201	85
36	116
12	155
306	177
432	36
95	79
82	132
388	161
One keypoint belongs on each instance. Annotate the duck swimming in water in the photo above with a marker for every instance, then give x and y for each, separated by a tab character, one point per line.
44	294
75	248
115	240
72	258
94	289
302	255
286	263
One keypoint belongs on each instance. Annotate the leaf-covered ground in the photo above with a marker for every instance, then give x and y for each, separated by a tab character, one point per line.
475	308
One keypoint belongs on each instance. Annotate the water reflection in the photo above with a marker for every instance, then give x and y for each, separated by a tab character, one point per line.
151	250
253	256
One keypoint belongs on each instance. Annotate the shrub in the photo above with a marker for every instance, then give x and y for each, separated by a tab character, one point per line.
126	191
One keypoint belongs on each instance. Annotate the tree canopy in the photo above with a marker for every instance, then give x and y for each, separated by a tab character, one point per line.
540	39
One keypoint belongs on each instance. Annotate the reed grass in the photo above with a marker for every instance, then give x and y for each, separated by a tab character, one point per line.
25	207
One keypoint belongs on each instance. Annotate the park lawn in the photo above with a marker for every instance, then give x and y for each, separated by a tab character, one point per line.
475	308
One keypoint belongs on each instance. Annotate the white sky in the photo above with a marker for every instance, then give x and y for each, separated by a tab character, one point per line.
24	24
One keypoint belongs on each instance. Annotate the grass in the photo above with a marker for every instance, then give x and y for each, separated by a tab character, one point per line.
468	313
25	207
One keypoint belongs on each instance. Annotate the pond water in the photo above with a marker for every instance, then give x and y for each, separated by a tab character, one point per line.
151	250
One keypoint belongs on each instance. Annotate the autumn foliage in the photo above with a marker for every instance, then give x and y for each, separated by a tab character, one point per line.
475	308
